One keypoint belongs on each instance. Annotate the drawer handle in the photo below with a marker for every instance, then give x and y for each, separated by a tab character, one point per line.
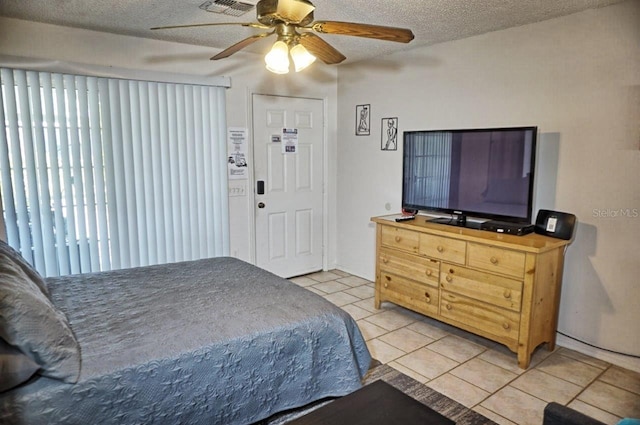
398	238
507	293
506	325
449	306
429	272
440	248
448	278
388	278
385	260
493	260
428	298
386	285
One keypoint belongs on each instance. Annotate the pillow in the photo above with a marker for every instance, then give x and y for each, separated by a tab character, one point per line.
7	253
31	323
15	367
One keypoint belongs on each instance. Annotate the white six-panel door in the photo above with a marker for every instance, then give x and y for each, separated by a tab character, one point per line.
289	215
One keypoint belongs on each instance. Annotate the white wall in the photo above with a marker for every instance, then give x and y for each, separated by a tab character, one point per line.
247	73
578	79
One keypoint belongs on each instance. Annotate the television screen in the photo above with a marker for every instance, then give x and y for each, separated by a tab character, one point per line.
484	173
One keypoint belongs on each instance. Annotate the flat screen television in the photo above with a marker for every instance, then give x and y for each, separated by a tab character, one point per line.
481	173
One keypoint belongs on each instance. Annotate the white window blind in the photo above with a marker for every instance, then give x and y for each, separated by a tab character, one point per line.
100	173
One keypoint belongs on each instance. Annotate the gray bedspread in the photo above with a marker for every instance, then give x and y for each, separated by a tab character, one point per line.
214	341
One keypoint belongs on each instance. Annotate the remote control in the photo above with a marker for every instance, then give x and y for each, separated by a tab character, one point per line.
406	218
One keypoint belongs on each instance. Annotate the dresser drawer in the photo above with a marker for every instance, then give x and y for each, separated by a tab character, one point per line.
496	290
409	265
502	325
497	260
403	239
443	248
409	293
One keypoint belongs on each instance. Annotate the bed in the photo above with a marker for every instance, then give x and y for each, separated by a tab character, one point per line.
215	341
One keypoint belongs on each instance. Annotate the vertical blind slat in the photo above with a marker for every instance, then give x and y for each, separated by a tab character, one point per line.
46	253
103	261
21	204
138	172
176	167
29	162
88	162
201	241
11	218
220	195
191	172
61	254
65	155
116	192
167	173
76	174
208	138
129	177
183	205
112	238
156	172
147	173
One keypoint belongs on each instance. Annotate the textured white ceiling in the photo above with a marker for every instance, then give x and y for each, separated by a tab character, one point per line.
432	21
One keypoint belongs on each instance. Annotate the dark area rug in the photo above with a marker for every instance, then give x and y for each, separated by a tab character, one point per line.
442	404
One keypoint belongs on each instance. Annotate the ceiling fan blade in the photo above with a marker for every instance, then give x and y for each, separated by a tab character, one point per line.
239	46
400	35
320	48
244	24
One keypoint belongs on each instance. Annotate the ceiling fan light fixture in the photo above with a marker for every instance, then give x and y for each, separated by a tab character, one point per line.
277	59
301	57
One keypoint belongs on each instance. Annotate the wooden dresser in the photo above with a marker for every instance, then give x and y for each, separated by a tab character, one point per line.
503	287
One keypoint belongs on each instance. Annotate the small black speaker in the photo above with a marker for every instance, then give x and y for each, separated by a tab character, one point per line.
556	224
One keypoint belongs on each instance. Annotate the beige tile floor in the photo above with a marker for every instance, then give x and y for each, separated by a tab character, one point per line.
478	373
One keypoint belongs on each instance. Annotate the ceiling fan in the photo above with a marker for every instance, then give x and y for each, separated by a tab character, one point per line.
293	23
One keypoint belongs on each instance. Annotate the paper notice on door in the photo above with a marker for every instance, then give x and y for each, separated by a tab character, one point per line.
237	153
289	140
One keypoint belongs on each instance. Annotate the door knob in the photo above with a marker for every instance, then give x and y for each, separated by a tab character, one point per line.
261	205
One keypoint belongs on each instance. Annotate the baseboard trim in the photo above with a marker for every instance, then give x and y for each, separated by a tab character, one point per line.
626	362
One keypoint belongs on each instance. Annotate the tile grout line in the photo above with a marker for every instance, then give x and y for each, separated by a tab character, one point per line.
591	383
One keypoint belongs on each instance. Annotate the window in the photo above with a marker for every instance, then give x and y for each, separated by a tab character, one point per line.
102	173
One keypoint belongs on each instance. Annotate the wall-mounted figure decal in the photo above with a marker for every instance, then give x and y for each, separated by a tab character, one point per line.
363	117
389	134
